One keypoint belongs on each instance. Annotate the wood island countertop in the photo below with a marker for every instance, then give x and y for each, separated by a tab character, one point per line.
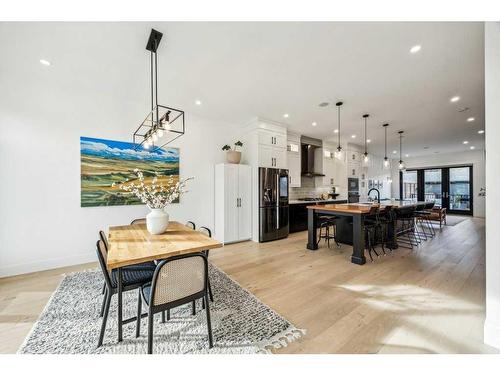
361	208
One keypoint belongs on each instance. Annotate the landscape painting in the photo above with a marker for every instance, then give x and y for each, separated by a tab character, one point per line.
104	162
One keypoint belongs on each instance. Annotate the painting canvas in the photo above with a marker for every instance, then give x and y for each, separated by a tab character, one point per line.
104	162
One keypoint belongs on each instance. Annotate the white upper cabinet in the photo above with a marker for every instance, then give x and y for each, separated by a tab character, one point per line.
272	157
293	159
267	144
272	138
353	156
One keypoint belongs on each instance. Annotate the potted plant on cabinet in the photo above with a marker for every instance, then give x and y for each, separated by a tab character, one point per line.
233	156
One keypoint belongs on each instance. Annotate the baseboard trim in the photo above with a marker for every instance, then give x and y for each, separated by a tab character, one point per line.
492	334
47	264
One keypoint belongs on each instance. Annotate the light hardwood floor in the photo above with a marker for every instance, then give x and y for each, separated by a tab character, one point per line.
429	300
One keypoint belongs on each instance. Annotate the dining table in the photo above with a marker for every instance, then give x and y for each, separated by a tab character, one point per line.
350	224
133	244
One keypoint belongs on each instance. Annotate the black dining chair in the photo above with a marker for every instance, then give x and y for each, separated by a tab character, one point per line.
142	220
133	278
208	232
151	266
191	225
177	280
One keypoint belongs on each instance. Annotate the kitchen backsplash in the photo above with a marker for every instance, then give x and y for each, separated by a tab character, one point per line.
308	190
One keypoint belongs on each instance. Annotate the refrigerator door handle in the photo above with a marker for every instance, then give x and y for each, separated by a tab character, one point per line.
278	201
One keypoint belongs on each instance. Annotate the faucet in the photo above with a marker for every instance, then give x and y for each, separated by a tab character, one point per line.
378	193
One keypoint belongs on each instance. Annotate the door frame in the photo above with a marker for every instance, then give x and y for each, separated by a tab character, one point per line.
445	183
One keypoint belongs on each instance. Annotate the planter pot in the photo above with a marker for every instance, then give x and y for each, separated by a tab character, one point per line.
233	157
157	221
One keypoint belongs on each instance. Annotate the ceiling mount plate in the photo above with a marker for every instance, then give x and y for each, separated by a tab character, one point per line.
155	35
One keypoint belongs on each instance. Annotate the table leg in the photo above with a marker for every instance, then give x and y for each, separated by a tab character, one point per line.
358	240
391	235
312	224
120	307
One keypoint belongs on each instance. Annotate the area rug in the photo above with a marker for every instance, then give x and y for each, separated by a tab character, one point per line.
241	323
451	221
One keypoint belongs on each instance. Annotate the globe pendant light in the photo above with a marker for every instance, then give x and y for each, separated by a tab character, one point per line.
387	163
366	159
401	165
339	154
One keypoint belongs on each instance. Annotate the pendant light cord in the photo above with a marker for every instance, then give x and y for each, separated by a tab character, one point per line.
338	122
385	143
156	80
365	134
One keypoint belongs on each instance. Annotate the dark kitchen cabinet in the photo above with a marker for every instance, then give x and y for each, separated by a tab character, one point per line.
298	215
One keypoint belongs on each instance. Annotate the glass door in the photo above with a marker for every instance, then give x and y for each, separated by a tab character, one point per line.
447	187
433	186
459	190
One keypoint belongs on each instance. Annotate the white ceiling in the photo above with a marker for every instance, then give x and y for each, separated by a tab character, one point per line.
243	70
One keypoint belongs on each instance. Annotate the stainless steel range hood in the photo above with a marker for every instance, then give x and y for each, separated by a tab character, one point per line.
309	146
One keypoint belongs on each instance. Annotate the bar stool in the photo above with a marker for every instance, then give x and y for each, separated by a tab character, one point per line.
372	223
327	222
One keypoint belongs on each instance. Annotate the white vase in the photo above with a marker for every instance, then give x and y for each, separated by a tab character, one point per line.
157	221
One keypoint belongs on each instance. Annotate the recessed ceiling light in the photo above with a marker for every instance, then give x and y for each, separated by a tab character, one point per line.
416	48
45	62
394	152
436	152
336	131
286	115
455	99
368	140
353	136
480	132
324	104
197	102
407	155
472	147
465	142
314	124
470	119
426	147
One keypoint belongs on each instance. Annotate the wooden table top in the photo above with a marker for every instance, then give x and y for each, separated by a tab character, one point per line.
356	208
133	244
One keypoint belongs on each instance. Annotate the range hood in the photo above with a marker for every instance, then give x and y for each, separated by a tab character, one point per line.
308	148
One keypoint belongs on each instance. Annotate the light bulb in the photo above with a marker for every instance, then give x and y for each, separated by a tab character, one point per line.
149	141
167	126
401	165
155	137
386	163
366	159
160	132
146	145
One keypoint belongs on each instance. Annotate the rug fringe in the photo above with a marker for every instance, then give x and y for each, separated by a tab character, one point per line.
281	340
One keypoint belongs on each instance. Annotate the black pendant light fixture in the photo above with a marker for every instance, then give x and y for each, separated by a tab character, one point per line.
338	153
387	163
401	165
163	124
366	159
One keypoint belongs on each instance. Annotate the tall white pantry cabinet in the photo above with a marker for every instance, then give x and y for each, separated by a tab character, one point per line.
233	202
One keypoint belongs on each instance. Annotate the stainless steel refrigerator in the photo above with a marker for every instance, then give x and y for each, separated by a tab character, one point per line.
273	204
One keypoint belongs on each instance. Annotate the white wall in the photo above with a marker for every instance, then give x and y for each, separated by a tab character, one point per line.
492	91
376	171
476	158
42	225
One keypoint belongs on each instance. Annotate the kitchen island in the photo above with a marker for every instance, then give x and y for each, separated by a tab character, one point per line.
350	226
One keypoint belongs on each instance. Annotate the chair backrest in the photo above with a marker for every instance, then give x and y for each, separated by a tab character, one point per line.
138	221
429	205
191	225
206	231
104	239
102	255
420	207
179	278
